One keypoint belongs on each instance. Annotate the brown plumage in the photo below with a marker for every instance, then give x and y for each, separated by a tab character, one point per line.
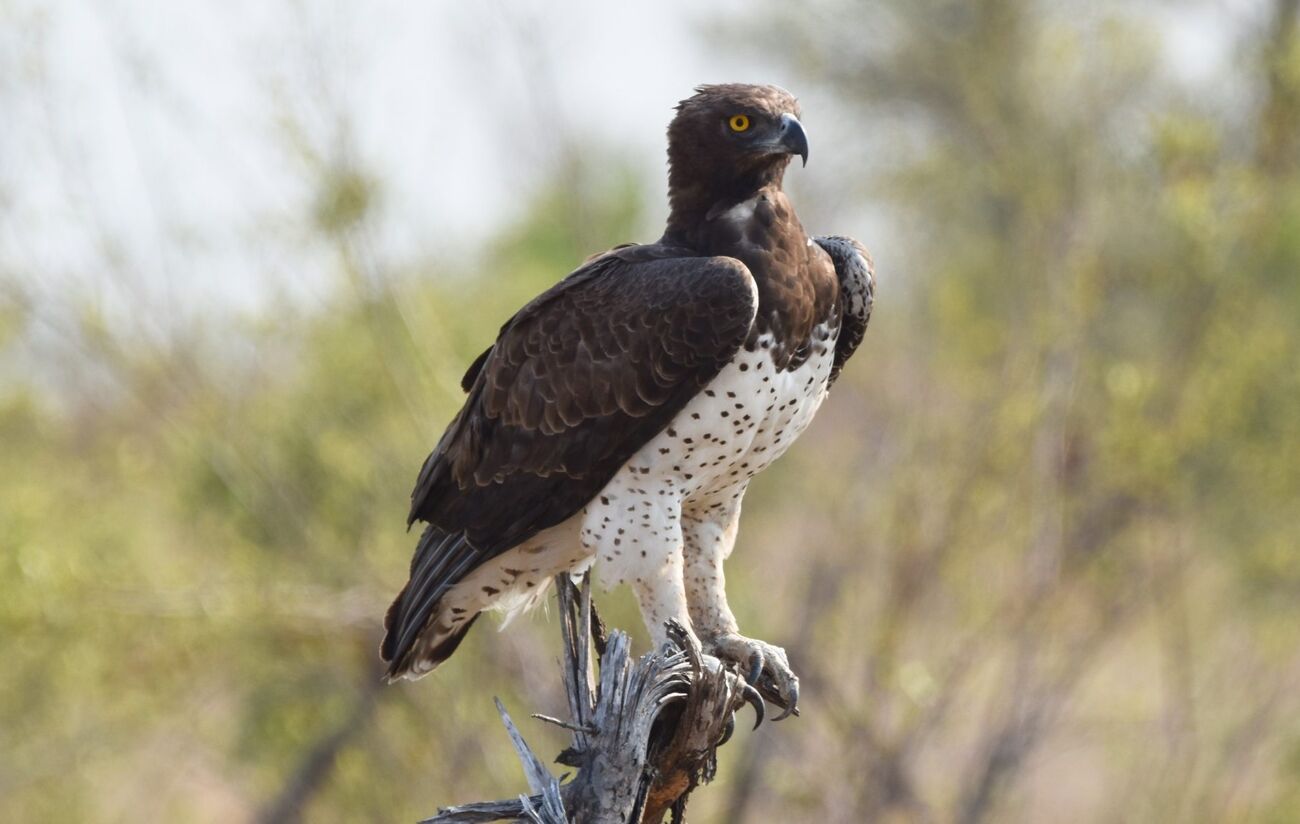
578	380
592	370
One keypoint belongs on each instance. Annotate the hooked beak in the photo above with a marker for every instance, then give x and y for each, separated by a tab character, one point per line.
791	139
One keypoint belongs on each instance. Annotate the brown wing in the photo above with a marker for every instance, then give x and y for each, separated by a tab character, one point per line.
576	383
857	276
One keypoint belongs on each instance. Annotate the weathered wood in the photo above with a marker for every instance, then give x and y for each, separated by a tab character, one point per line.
645	731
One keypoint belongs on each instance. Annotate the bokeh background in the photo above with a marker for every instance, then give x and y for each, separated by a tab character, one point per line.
1036	560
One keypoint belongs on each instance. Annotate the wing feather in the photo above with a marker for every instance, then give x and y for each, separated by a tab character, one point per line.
576	382
857	276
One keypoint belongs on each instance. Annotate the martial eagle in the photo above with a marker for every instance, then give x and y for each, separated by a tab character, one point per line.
620	415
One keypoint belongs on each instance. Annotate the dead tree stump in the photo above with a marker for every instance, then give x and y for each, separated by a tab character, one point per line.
645	731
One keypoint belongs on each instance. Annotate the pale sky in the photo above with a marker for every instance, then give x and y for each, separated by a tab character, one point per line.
152	128
149	134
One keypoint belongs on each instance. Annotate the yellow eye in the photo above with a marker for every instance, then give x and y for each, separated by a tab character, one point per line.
738	122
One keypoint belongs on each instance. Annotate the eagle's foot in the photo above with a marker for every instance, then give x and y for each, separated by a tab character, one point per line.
764	666
741	691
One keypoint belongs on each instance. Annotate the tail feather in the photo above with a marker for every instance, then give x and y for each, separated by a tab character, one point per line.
441	560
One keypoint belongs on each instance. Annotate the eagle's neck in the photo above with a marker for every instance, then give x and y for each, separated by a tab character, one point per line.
796	282
694	199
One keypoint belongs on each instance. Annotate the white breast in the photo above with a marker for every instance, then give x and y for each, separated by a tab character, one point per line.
742	421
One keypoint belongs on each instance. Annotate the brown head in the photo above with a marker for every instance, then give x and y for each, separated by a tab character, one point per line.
727	142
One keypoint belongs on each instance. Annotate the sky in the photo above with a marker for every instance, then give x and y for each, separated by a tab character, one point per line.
163	148
170	137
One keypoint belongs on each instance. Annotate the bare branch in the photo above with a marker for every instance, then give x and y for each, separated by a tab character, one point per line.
645	733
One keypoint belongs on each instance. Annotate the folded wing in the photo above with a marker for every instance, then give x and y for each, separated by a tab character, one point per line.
577	381
857	277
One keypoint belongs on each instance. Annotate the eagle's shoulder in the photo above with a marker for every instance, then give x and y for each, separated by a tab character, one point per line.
638	276
856	273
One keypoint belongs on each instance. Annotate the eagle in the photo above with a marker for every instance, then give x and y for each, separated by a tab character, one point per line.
619	416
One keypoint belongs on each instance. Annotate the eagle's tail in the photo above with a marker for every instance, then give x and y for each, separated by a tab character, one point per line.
417	637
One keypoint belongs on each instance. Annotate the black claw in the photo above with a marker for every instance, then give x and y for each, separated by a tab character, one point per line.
792	703
755	700
728	730
755	667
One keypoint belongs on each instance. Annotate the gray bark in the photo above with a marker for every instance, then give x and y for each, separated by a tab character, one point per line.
645	731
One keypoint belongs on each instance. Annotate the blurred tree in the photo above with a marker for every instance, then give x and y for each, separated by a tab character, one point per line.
1090	353
1038	560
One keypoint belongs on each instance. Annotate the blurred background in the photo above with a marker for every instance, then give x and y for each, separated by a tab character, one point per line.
1037	559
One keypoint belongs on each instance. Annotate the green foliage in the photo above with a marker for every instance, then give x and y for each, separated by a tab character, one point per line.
1038	559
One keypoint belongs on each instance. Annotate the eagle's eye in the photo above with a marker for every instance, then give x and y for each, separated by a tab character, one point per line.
738	122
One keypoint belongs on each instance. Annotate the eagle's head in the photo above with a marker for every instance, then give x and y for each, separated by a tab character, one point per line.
728	141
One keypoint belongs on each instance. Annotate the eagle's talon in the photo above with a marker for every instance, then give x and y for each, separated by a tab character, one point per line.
728	730
755	700
765	668
792	702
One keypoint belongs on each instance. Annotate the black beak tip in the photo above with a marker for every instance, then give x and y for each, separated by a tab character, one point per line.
793	137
